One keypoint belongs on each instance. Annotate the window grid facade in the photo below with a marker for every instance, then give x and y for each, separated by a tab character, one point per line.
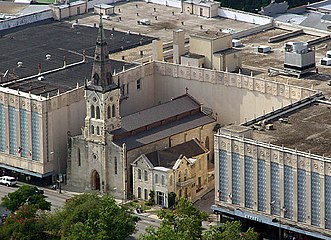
315	199
223	176
249	182
302	195
261	185
236	178
328	203
35	136
288	192
12	131
2	129
275	207
24	133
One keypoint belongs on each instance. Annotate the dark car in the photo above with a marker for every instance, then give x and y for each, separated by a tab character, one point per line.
38	191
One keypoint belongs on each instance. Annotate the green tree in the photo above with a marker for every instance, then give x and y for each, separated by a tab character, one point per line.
25	224
229	231
184	222
25	195
89	216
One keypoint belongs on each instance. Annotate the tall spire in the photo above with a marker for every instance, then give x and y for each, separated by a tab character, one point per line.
101	79
101	40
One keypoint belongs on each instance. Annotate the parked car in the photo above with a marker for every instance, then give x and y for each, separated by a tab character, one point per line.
8	181
38	191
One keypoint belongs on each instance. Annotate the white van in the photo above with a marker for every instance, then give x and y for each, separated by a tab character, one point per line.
8	181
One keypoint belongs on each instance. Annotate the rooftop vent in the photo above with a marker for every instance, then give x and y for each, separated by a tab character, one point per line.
41	78
48	56
19	64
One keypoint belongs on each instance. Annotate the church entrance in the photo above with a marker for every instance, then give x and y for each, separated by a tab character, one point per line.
95	180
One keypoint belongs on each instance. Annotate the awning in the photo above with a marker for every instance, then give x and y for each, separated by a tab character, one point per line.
20	170
266	220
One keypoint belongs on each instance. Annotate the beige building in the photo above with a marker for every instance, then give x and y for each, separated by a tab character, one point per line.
181	169
201	8
216	48
278	174
104	9
100	158
66	10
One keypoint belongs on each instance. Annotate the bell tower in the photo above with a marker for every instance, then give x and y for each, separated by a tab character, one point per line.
102	95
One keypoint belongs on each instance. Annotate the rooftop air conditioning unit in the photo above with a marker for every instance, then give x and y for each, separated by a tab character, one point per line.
41	78
236	43
326	61
328	54
263	49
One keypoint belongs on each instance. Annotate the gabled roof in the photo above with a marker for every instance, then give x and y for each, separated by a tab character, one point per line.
168	157
173	108
165	131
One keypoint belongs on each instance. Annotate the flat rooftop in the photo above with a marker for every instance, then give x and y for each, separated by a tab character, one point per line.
308	129
258	63
164	20
59	40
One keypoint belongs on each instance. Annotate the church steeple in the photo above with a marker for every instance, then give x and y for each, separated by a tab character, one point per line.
101	79
102	96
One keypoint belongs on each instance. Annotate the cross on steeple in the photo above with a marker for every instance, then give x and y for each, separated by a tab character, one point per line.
101	78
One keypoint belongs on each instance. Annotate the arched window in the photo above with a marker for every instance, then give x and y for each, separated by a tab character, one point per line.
139	192
179	176
207	146
113	113
92	112
97	112
108	112
145	175
92	129
185	175
170	180
156	178
139	174
145	194
96	78
163	180
78	156
115	165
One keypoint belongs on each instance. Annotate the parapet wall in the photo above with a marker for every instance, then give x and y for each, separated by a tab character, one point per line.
233	98
170	3
244	16
26	19
233	80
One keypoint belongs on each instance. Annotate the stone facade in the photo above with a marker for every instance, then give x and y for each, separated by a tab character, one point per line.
188	177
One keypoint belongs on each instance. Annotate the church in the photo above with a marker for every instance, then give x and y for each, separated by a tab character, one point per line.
100	158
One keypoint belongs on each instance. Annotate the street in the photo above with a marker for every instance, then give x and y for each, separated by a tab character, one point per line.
142	224
57	199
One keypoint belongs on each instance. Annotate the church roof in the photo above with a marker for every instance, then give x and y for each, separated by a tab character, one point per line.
150	125
168	157
158	113
164	131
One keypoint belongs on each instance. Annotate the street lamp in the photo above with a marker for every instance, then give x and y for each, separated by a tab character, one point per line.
59	175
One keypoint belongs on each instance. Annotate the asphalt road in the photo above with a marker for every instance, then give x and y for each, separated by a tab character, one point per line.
144	222
57	199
